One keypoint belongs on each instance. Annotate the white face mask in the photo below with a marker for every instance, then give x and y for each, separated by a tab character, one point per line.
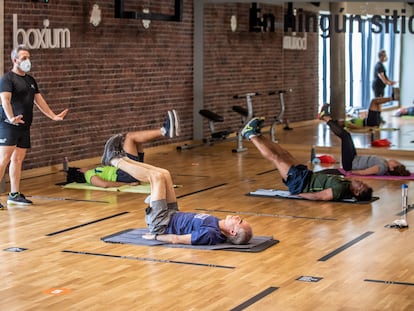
25	65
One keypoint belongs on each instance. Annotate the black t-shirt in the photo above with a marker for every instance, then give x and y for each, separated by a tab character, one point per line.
23	89
379	68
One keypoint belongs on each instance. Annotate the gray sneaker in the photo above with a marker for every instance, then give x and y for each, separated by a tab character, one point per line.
176	122
113	149
18	199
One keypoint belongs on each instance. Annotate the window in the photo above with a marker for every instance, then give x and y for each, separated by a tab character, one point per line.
361	55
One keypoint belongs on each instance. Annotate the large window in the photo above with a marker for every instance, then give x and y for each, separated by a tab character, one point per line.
361	55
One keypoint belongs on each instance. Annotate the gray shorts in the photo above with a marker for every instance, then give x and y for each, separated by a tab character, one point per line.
158	215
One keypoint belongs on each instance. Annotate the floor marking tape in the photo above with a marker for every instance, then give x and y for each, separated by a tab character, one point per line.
86	224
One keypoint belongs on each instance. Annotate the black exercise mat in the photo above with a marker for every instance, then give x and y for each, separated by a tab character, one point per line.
284	194
134	236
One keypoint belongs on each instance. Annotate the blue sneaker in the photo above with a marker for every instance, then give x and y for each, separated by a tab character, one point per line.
113	149
252	128
168	126
18	198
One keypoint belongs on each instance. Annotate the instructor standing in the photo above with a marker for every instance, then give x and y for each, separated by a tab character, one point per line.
18	93
380	76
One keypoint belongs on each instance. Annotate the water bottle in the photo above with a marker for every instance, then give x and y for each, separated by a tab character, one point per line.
404	194
65	164
313	154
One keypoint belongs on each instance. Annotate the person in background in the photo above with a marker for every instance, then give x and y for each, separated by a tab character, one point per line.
380	76
106	176
19	93
298	178
165	222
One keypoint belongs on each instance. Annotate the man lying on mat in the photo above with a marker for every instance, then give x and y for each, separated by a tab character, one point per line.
132	145
373	118
362	164
165	222
298	178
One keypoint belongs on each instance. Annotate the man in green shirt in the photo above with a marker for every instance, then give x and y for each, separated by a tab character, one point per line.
298	178
132	144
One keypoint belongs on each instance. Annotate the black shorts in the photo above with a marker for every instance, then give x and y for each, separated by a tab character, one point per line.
10	136
122	176
298	178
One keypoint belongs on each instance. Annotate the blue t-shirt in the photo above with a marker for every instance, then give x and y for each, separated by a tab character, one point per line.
23	89
204	229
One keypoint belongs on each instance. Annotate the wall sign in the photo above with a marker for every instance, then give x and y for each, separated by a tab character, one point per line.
44	38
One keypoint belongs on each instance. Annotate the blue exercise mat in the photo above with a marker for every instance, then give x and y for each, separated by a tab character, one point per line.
134	236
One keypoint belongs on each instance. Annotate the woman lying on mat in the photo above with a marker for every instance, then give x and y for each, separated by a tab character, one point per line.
165	222
362	164
404	111
298	178
132	145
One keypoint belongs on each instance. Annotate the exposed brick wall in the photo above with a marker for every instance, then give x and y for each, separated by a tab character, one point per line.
119	77
241	62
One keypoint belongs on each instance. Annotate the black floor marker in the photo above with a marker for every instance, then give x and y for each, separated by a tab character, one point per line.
86	224
150	259
64	199
202	190
255	299
264	214
344	247
389	282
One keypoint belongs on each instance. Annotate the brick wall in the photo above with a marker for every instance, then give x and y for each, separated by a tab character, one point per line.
120	77
241	62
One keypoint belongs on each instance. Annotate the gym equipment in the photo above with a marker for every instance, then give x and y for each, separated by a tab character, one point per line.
134	236
212	118
279	118
402	222
246	116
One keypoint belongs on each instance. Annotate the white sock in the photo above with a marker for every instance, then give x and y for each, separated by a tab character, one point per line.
115	162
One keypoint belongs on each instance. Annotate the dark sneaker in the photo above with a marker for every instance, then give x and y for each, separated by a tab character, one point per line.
324	111
1	206
395	93
252	128
113	149
168	127
18	199
176	122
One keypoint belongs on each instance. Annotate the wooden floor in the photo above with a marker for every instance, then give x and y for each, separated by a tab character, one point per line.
331	256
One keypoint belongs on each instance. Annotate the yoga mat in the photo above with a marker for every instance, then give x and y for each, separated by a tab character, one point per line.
286	195
134	236
341	171
143	188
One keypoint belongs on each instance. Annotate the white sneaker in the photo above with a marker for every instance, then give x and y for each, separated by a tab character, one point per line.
176	123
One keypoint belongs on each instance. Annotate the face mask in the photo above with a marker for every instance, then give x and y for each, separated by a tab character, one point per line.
25	65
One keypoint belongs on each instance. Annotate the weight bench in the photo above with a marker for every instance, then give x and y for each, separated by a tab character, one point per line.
212	118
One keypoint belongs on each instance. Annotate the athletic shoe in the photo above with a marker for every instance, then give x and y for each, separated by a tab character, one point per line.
252	128
324	111
113	149
177	125
395	93
168	127
1	206
18	199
